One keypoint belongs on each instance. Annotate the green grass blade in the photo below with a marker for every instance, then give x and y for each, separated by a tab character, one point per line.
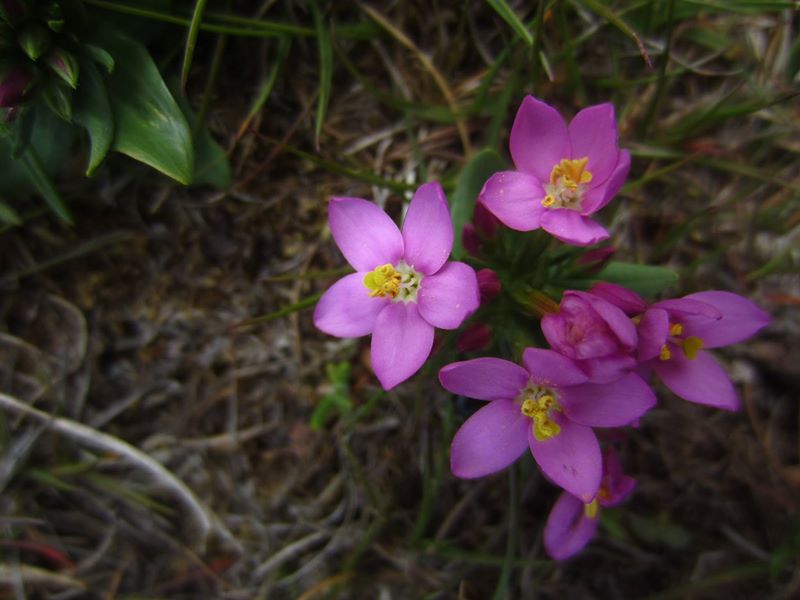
266	86
325	70
510	17
600	8
191	40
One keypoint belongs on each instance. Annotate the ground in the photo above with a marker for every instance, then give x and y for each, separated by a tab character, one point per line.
200	471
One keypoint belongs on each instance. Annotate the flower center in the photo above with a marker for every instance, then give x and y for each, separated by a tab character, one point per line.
566	186
538	403
690	345
590	510
399	282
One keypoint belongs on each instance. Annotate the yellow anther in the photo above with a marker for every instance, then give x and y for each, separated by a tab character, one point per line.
691	346
383	281
675	329
571	172
544	428
537	404
590	510
529	408
665	353
548	201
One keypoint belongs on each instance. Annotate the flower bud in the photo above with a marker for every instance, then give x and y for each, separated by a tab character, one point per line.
11	11
596	259
14	84
59	99
53	15
488	285
475	338
64	64
34	40
470	240
485	222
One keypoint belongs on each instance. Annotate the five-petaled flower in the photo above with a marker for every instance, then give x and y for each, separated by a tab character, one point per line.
547	406
564	172
572	522
673	336
403	287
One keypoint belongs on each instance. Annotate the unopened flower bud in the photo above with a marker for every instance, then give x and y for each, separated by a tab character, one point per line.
59	99
64	64
53	15
14	84
475	338
470	240
488	285
596	259
485	222
34	40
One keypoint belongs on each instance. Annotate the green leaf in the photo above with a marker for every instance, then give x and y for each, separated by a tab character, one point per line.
510	17
8	215
337	399
469	184
92	110
211	166
100	56
325	69
150	126
647	280
41	180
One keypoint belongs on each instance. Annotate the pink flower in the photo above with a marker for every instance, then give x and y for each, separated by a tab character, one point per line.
595	333
673	336
547	406
403	286
572	523
564	172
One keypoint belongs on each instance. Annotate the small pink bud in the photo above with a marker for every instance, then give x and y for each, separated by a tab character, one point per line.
485	222
475	338
470	240
14	86
596	259
64	64
488	285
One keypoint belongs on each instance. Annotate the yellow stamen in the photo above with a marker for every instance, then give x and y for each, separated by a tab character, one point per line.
383	281
571	173
675	329
548	201
665	353
537	407
691	346
590	510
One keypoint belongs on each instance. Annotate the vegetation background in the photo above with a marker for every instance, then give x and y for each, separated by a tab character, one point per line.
159	441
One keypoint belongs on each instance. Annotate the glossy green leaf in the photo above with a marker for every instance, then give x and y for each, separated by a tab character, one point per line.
150	126
44	186
468	186
211	165
92	110
647	280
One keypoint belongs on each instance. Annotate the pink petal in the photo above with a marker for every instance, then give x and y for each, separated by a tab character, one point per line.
626	300
607	369
568	529
741	319
702	380
616	320
593	133
687	307
539	138
551	369
346	309
484	379
572	228
609	404
450	296
490	440
365	234
571	459
428	229
598	197
514	198
653	331
401	342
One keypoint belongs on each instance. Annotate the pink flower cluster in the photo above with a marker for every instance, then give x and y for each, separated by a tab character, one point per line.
605	343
